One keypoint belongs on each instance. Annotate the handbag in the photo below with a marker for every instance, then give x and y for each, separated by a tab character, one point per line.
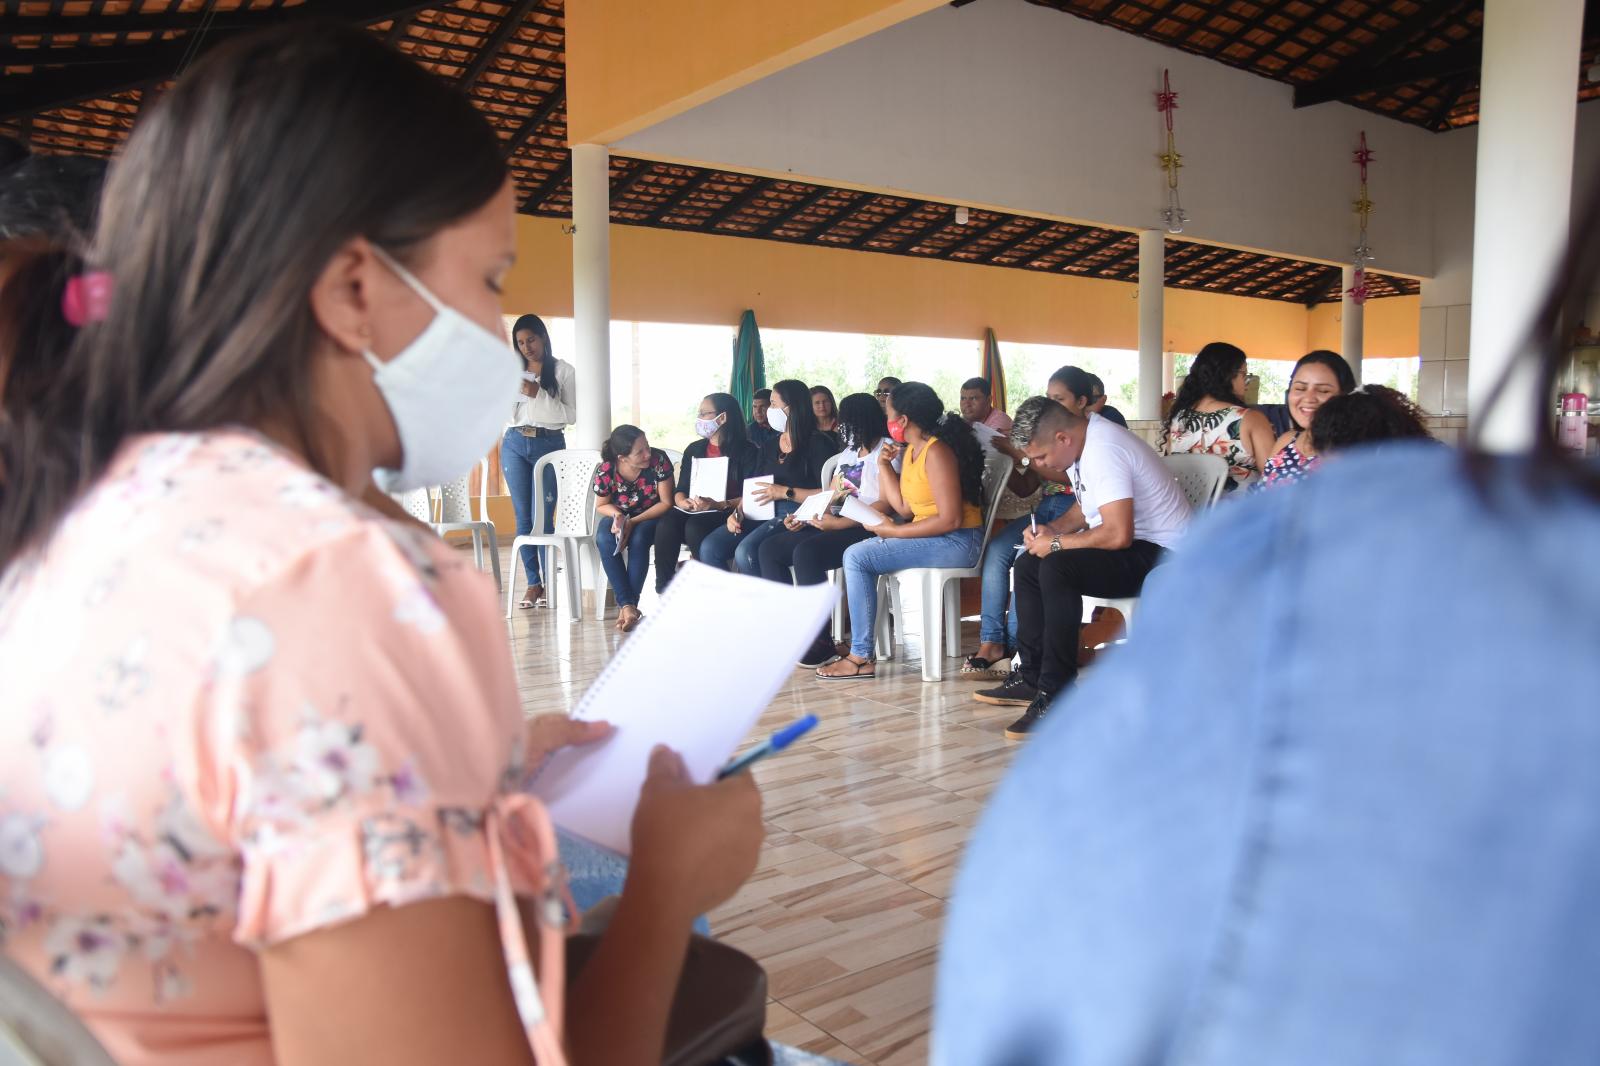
719	1009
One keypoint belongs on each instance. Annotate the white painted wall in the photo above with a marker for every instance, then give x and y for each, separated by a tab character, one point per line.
1008	104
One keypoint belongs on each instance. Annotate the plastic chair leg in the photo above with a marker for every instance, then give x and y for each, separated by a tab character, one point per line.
952	618
932	630
494	556
511	586
882	638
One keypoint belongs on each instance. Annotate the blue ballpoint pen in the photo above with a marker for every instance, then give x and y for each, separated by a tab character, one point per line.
771	746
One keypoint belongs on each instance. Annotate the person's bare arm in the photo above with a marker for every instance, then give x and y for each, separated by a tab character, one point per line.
1258	438
944	479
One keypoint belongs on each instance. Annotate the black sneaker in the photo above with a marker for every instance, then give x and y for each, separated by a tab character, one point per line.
1014	693
1030	719
821	653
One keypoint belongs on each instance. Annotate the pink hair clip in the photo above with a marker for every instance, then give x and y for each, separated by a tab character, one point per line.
87	298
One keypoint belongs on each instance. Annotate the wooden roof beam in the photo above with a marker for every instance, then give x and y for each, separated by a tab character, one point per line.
535	199
140	64
1027	235
236	19
896	215
739	202
805	204
547	107
509	24
692	185
1460	59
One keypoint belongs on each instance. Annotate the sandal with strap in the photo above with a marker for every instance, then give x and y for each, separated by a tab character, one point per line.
529	601
859	669
977	668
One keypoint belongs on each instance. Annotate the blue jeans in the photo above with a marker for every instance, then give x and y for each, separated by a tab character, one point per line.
996	627
720	546
627	571
518	456
865	561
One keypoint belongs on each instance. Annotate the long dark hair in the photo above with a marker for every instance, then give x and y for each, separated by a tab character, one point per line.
213	246
732	433
620	443
1371	415
1211	374
1342	375
802	419
547	369
923	409
862	422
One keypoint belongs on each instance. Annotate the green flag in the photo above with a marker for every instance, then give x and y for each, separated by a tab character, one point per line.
749	366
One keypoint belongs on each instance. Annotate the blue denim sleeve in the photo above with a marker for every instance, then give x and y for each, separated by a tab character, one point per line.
1335	804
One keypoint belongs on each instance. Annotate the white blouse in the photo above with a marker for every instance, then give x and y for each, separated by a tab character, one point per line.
544	410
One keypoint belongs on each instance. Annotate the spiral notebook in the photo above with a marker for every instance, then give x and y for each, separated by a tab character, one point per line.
742	633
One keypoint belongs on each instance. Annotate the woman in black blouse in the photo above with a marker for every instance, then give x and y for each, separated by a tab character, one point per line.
720	431
794	459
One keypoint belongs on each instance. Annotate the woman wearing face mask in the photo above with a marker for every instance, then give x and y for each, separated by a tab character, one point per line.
810	549
719	431
546	403
295	783
634	484
1318	377
939	489
794	460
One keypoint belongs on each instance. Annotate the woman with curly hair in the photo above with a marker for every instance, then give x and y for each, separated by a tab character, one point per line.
1318	377
1370	415
1209	415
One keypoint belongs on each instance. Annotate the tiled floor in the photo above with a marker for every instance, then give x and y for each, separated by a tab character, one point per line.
865	824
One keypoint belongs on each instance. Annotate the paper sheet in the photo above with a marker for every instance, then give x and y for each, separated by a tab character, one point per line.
592	791
709	478
857	511
751	506
813	506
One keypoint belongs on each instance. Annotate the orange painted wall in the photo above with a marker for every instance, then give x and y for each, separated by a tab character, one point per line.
633	63
1391	328
665	276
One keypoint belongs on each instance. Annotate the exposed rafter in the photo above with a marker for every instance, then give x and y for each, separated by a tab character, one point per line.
1446	64
490	50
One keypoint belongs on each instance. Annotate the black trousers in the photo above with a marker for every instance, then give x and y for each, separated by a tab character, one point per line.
1049	603
812	553
673	531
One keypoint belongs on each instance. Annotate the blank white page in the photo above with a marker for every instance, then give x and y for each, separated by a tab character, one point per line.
709	478
738	636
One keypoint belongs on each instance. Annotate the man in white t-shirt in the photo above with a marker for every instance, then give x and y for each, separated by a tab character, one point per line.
1129	512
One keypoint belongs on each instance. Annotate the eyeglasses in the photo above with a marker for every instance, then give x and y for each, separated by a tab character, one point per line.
881	393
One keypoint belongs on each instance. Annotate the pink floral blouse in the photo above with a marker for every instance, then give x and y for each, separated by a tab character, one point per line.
235	706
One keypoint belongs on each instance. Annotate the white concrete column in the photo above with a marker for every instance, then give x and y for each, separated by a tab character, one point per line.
1169	374
1527	110
1352	325
591	292
1152	320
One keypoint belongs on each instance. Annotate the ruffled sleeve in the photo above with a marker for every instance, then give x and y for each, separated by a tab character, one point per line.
361	732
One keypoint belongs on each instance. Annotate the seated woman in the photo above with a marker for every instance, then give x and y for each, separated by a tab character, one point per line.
721	432
1072	388
815	547
634	484
940	491
794	460
1209	415
827	412
299	782
1318	377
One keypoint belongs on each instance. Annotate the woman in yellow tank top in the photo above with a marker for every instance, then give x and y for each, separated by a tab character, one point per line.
938	496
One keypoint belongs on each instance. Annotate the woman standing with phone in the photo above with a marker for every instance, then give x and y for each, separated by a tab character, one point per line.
546	405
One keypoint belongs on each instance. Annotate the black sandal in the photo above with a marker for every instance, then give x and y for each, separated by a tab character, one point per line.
856	675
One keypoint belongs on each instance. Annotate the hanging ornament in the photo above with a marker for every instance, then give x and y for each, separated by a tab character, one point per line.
1362	206
1173	214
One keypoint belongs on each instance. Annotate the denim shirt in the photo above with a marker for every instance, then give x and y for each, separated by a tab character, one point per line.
1355	820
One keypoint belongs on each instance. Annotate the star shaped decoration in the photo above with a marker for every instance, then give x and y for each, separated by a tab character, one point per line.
1364	155
1166	99
1363	207
1358	290
1171	161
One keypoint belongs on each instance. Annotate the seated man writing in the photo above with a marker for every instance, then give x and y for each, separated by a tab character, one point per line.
1129	511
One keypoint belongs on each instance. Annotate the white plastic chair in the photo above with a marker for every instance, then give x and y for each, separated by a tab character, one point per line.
418	503
1202	478
36	1029
938	632
574	522
451	507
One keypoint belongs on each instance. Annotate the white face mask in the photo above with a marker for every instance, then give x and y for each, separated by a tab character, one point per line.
707	427
446	391
778	418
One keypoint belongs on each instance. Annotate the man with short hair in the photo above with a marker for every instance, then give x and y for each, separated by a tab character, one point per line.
885	387
1129	512
977	408
760	430
1097	403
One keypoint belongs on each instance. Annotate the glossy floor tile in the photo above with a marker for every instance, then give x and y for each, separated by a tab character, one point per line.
866	820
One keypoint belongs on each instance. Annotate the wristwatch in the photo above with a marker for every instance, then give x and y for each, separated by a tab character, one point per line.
789	492
1055	545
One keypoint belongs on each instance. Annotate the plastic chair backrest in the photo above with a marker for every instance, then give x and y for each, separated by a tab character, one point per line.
828	470
674	457
48	1032
1201	477
455	501
996	472
575	500
418	503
